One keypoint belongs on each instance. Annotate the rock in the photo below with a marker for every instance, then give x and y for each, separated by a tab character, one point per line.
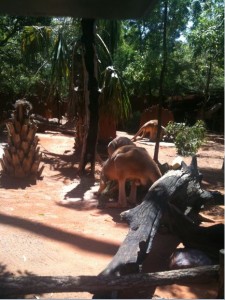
188	258
176	163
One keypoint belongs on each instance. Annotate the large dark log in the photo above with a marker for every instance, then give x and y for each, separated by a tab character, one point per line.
22	285
181	188
207	239
44	124
178	189
143	226
221	276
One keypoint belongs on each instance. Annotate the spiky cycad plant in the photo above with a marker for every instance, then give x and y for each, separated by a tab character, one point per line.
21	156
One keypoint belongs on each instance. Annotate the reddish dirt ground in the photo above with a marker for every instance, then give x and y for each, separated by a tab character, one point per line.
55	228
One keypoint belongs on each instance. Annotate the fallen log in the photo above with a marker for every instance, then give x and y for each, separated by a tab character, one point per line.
23	285
221	276
180	189
44	124
207	239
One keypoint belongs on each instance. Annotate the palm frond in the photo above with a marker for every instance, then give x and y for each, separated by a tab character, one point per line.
60	63
114	99
35	39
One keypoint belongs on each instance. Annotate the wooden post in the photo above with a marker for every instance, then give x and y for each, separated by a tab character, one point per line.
221	276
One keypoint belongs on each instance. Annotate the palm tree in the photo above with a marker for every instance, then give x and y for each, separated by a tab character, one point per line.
82	75
49	48
110	100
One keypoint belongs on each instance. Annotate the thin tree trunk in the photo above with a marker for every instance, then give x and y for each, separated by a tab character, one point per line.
91	93
208	79
161	82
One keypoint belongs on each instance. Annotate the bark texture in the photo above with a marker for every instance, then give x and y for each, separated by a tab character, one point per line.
167	201
91	95
22	155
22	285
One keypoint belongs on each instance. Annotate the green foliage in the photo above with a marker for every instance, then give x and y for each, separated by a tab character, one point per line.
38	52
35	39
206	45
60	66
114	100
172	129
187	139
110	32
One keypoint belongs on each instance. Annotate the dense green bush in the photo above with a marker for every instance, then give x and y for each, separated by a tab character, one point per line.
187	139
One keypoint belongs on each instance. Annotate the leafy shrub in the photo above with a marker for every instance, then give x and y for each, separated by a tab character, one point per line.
173	129
187	139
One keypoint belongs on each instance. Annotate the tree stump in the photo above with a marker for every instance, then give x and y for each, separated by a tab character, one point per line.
22	155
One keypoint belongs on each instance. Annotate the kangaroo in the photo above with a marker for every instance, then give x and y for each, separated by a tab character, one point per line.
150	128
128	163
118	142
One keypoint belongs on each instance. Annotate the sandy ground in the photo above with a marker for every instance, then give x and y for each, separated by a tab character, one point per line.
54	227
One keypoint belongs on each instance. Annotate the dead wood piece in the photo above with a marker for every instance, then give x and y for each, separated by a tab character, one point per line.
180	189
44	124
207	239
22	285
178	186
221	276
143	226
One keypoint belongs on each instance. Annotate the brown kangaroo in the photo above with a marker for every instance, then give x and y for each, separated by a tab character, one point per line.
128	163
149	128
118	142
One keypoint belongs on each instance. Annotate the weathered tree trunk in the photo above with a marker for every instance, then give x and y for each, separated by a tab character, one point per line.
167	200
161	81
21	156
22	285
91	93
